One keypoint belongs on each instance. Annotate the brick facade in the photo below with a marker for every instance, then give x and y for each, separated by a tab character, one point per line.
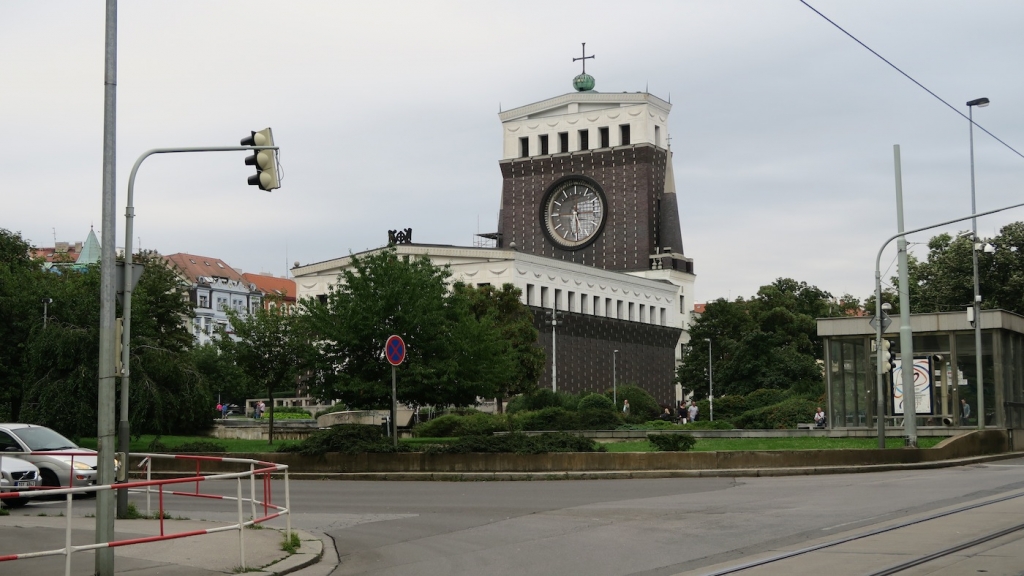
633	181
585	344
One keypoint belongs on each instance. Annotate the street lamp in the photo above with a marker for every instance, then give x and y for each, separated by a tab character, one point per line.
711	386
980	103
615	381
45	302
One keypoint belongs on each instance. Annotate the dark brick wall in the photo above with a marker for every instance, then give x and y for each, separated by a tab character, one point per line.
633	180
585	343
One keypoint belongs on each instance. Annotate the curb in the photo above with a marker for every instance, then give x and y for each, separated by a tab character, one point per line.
630	474
310	553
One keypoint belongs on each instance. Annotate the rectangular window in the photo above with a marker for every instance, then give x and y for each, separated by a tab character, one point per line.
204	301
664	317
584	304
657	135
524	147
544	297
618	309
543	144
597	304
584	140
624	134
609	311
563	141
604	137
529	294
632	318
559	305
479	284
682	304
643	313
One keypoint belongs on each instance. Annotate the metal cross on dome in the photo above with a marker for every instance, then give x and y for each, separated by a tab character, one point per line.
584	57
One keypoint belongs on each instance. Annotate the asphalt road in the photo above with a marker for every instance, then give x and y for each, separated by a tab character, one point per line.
601	527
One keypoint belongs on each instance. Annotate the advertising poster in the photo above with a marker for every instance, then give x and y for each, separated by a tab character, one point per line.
922	386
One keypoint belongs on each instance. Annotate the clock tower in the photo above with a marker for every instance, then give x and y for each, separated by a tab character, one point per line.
587	178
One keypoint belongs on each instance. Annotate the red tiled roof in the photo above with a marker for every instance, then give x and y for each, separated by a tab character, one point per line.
699	308
273	285
193	267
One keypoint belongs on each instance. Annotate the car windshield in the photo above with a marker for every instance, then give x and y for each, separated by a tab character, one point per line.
40	438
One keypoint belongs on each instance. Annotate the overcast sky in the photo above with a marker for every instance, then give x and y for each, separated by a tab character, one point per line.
386	115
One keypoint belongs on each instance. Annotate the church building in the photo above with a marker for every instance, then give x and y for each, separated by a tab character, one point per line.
588	227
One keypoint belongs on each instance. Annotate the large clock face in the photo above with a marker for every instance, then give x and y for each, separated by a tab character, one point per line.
574	213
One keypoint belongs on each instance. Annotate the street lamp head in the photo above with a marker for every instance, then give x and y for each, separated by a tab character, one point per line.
980	102
886	306
615	351
707	339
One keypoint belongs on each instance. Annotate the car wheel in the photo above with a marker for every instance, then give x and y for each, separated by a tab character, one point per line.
49	478
15	502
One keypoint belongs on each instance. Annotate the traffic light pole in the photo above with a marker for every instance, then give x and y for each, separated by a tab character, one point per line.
878	312
123	428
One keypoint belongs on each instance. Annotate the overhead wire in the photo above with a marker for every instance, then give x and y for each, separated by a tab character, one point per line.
911	78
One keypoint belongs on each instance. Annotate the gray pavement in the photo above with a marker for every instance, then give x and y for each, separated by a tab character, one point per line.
596	527
25	530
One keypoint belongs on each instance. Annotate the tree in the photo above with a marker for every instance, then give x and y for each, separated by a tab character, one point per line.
267	349
767	342
451	357
503	306
21	282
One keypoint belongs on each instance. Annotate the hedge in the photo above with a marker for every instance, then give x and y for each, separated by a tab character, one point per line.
518	444
345	438
672	442
451	425
786	414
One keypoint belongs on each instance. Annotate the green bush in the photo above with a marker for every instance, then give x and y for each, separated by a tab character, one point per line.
551	418
765	397
289	416
642	406
519	444
345	438
595	402
288	410
451	425
540	399
708	425
785	414
597	418
672	442
726	407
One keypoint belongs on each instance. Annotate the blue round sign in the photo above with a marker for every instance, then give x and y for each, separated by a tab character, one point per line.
394	350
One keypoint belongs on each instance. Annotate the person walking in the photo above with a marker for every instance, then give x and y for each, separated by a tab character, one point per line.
625	407
693	411
965	412
681	412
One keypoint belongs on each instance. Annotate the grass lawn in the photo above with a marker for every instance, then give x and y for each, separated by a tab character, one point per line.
234	445
805	443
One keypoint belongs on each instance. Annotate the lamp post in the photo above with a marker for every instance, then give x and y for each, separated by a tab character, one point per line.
980	103
711	386
615	381
45	302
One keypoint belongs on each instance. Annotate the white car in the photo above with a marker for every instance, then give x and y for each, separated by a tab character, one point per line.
74	466
16	475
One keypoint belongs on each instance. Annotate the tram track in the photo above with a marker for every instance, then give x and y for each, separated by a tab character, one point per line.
772	563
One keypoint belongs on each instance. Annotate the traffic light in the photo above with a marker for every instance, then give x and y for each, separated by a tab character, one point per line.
265	161
888	361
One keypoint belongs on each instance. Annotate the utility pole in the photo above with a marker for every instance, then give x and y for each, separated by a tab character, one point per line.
906	333
552	320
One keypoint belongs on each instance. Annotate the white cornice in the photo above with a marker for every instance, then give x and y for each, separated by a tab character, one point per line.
589	97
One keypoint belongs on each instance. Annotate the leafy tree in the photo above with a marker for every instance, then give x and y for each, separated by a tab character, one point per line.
21	285
267	349
226	379
451	356
769	341
504	308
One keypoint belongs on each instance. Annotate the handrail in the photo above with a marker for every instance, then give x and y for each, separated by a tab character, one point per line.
255	468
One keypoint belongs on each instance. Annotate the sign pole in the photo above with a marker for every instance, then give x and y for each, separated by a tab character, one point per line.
394	409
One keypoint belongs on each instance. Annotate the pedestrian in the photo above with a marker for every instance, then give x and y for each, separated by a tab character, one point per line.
681	412
965	412
263	408
625	407
220	408
224	411
819	418
692	411
666	415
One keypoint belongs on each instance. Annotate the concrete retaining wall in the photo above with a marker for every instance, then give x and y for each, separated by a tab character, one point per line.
251	429
978	443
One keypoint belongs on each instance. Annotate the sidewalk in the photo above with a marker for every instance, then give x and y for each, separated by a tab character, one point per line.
202	555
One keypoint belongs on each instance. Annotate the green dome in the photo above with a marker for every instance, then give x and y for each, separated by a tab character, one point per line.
583	82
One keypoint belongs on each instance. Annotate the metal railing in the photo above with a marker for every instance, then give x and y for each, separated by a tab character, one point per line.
150	486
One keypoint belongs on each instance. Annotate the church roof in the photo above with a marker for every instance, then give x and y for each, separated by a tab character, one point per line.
90	253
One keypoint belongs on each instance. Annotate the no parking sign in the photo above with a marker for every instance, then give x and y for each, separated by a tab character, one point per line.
394	350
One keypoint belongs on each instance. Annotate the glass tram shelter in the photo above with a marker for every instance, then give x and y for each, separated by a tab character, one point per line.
943	348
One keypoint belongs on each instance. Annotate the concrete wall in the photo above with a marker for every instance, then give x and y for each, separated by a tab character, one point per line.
973	444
